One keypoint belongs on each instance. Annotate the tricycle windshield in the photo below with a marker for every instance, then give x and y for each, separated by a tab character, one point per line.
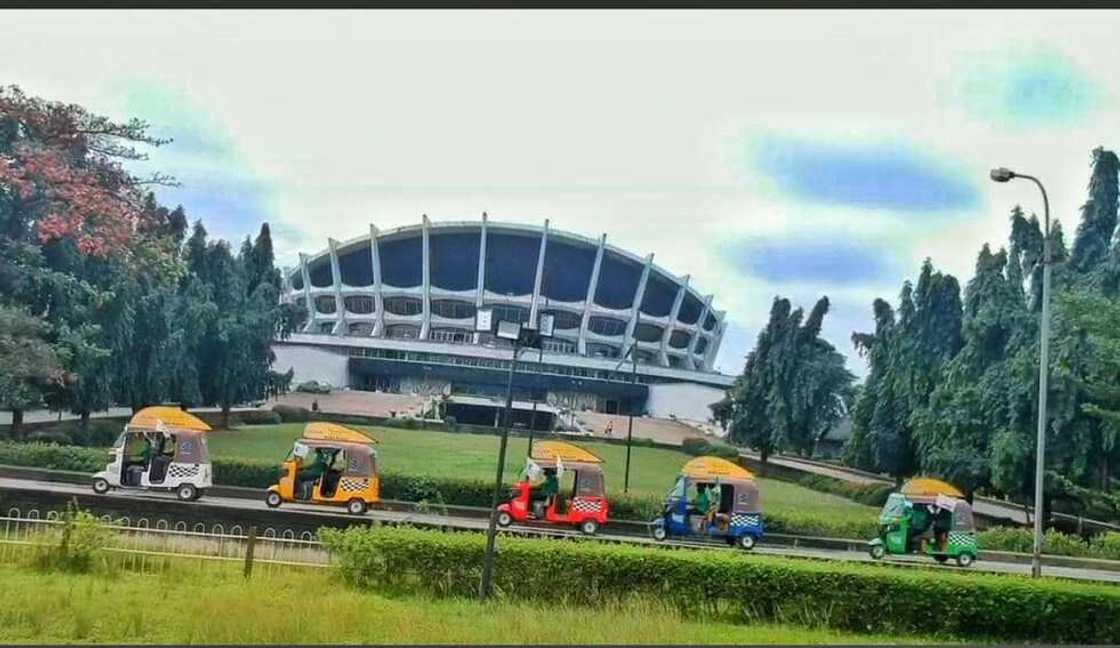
119	443
894	507
678	490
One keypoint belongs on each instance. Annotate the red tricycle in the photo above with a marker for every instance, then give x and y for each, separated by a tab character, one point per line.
583	505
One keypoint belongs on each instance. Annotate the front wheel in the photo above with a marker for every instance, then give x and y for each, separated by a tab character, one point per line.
186	492
746	541
965	559
504	519
941	558
272	499
100	486
356	507
589	527
877	551
659	533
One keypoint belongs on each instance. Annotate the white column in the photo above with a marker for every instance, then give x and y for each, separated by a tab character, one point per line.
639	294
581	343
699	329
425	259
676	310
539	276
378	303
717	338
309	326
340	327
481	287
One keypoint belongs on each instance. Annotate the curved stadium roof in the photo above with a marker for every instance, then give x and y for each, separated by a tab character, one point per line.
425	281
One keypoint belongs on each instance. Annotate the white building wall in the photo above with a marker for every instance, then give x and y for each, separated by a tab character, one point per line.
687	401
311	363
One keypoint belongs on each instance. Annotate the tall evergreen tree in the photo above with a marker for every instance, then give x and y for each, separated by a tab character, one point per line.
1098	215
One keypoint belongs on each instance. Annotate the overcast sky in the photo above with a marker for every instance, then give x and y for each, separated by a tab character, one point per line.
763	153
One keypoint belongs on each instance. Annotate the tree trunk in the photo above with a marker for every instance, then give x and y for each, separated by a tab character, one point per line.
225	416
1105	477
17	424
83	421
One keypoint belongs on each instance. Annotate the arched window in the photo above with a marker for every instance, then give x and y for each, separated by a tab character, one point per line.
607	326
325	304
404	306
453	309
359	304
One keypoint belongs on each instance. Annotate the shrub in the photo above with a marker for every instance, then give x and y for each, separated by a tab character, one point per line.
292	414
1105	546
259	417
695	446
248	474
55	457
451	424
874	494
76	544
747	588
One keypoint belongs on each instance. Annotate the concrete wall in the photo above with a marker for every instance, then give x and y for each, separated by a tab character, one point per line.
311	363
687	401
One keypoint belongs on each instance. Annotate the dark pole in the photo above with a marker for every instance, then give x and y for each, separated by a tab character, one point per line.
533	419
630	426
492	531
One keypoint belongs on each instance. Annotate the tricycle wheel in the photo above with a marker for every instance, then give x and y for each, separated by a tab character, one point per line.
272	499
100	486
746	541
589	527
504	519
659	533
941	558
877	551
356	506
186	492
965	559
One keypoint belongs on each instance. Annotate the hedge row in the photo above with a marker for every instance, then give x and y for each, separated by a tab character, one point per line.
734	586
1105	545
869	494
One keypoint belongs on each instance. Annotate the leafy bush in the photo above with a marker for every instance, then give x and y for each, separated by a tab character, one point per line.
451	424
55	457
698	447
292	414
726	584
870	494
245	473
258	417
75	545
1105	546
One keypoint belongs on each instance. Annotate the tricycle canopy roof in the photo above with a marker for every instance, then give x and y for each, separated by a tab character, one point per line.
929	487
715	467
333	432
169	417
553	450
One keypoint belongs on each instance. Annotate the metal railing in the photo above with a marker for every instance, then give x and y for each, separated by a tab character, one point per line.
141	545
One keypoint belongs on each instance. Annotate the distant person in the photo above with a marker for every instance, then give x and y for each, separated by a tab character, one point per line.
315	405
610	429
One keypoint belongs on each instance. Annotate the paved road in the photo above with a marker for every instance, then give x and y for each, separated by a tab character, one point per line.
42	416
434	519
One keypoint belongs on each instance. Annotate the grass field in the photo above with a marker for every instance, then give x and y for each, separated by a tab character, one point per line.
216	605
443	454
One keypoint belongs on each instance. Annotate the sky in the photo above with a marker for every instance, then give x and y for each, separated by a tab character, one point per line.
763	153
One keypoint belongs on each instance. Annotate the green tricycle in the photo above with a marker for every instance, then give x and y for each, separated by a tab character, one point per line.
927	516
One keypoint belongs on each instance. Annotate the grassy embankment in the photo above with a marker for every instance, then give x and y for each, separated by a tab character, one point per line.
216	605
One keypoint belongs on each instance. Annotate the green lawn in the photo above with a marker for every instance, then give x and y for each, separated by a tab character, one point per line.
443	454
215	606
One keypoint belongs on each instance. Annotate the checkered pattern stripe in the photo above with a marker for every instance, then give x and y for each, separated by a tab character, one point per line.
962	539
587	506
745	519
179	471
353	484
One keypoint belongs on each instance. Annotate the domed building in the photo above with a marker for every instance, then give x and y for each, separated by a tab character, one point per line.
395	311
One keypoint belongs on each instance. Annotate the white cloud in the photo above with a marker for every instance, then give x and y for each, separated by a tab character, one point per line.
630	123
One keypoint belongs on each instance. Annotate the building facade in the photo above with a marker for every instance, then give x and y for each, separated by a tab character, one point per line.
395	310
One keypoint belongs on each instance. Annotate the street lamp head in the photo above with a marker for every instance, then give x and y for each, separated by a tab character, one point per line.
1002	174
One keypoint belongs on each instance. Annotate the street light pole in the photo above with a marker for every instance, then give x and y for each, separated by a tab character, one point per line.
533	418
1003	175
484	587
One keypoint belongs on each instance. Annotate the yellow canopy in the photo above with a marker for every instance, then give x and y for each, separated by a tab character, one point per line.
929	486
712	467
323	431
550	450
172	417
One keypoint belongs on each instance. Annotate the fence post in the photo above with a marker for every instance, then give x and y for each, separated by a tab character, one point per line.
250	543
